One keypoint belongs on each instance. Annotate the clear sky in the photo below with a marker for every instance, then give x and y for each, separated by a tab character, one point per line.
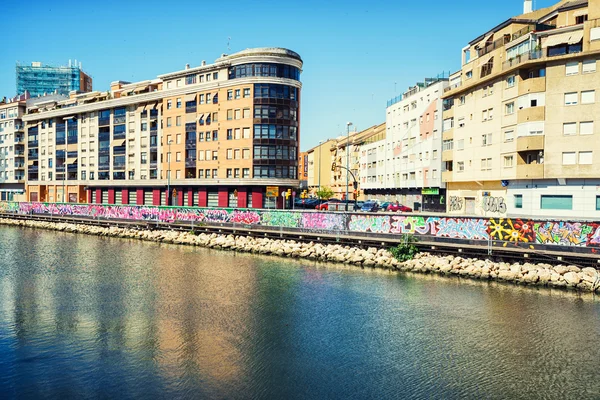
357	54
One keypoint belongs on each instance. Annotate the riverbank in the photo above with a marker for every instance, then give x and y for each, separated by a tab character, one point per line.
560	276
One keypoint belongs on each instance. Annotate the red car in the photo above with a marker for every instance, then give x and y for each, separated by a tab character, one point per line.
325	206
396	207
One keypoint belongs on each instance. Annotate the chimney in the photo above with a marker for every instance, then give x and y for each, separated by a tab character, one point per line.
527	6
187	66
203	63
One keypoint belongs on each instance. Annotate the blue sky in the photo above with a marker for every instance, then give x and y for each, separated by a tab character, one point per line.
357	55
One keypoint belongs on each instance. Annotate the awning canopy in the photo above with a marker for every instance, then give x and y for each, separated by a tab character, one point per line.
140	88
190	97
150	106
71	160
69	117
118	143
581	12
563	38
484	60
201	116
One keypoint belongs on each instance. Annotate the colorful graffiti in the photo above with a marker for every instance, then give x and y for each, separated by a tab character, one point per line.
494	204
504	230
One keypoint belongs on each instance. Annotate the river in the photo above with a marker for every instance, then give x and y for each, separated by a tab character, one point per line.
88	317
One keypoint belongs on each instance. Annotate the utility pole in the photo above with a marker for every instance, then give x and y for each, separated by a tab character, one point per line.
347	161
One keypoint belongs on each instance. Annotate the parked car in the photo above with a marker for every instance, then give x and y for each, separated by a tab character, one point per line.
309	204
397	207
370	206
325	205
384	205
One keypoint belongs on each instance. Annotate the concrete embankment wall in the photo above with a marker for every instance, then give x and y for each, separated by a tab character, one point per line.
561	276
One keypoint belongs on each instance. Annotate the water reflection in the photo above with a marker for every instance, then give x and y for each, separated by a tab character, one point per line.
84	316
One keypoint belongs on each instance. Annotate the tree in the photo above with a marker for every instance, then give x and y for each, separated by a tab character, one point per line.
325	193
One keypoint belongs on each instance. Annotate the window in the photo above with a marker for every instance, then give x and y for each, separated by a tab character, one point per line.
169	121
570	98
556	202
510	81
588	96
518	201
585	158
469	74
214	173
510	108
461	122
229	94
201	99
236	154
434	154
178	138
246	173
208	174
246	113
215	76
169	104
486	164
208	98
215	117
509	161
178	83
229	154
229	173
229	115
597	203
246	154
460	145
580	19
237	133
486	140
569	158
237	114
201	155
178	156
586	128
572	68
509	136
177	121
237	93
201	136
207	77
570	128
229	134
215	155
589	66
178	105
200	173
462	100
246	92
208	155
461	166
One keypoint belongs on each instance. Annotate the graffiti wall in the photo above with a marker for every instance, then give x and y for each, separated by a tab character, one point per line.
513	231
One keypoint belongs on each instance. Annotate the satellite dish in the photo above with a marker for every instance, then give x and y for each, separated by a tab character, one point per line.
504	183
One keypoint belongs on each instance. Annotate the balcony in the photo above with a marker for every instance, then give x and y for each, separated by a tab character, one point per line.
532	85
33	156
530	171
190	145
119	150
19	139
531	114
32	143
447	176
448	135
103	121
191	109
118	166
153	164
72	167
190	163
447	155
19	128
19	165
527	143
120	119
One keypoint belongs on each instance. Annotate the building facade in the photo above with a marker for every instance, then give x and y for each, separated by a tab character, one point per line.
406	166
346	150
12	149
39	80
319	166
303	170
521	118
215	135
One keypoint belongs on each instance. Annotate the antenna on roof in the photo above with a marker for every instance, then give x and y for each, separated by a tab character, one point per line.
228	41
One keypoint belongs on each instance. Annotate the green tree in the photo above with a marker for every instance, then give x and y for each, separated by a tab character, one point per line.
325	193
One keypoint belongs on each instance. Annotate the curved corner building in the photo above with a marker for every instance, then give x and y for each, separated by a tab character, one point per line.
216	135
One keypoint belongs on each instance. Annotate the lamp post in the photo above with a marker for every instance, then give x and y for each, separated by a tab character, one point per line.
169	173
347	161
319	164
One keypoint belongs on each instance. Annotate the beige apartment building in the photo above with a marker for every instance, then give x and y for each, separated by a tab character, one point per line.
319	166
215	135
521	118
12	148
346	150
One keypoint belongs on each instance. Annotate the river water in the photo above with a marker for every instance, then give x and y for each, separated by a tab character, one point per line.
88	317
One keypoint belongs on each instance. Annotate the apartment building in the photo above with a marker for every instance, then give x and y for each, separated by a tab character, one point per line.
406	165
12	148
38	79
303	170
215	135
521	118
319	166
347	150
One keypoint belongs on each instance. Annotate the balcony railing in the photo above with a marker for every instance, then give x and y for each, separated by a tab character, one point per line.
72	167
190	145
521	58
103	121
153	164
119	166
190	109
33	156
190	162
33	143
119	150
19	139
119	119
104	166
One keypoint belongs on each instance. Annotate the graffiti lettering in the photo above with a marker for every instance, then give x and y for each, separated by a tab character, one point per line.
463	228
494	204
455	203
562	233
369	223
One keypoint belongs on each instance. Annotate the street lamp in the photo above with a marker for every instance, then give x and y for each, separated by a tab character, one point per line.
319	164
347	161
169	173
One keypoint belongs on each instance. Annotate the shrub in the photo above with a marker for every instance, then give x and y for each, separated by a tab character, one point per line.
407	250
